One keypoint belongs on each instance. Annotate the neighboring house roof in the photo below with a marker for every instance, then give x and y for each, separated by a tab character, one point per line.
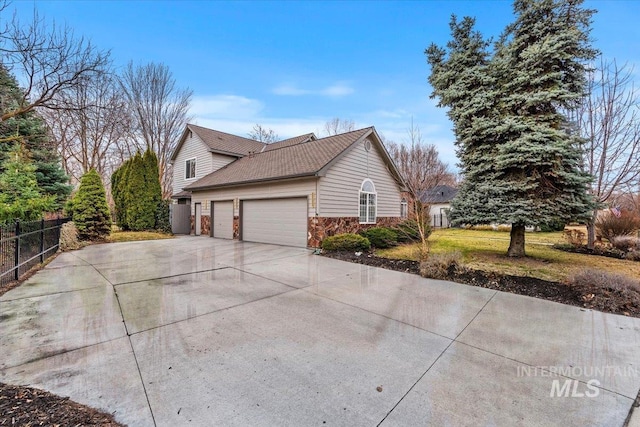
309	159
291	141
439	194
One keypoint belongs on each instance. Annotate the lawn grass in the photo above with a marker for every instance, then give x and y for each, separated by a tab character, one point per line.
486	250
134	236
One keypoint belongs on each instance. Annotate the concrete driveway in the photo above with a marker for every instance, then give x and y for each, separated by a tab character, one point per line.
201	331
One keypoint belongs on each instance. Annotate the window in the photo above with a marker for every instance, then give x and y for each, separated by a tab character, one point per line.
367	202
404	210
190	169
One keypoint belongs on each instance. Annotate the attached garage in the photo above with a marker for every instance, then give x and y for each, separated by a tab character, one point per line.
276	221
222	222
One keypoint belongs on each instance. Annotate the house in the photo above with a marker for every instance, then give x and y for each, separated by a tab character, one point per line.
293	192
439	199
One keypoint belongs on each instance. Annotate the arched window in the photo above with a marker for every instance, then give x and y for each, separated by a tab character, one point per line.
367	202
404	208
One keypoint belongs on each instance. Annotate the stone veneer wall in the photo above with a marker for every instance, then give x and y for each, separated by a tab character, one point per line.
205	225
321	227
236	227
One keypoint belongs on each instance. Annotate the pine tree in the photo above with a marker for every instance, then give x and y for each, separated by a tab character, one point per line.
20	198
519	160
30	129
90	210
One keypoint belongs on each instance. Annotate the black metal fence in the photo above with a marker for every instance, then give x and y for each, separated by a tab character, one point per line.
25	244
440	221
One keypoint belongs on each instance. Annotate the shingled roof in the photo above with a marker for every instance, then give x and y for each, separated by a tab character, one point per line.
294	161
225	142
291	141
439	194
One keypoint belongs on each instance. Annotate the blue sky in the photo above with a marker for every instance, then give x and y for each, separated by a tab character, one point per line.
291	66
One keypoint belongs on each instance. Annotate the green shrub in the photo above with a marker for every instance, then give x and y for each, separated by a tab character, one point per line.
90	210
407	231
552	226
346	242
162	216
439	266
611	226
381	237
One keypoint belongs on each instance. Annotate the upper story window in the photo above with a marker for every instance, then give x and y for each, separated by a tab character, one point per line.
367	202
404	208
190	169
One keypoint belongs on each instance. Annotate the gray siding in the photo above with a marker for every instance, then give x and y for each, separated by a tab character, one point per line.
206	162
340	188
298	188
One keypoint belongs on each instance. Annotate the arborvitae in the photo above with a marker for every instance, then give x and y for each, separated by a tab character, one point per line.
29	129
90	209
518	158
139	203
20	197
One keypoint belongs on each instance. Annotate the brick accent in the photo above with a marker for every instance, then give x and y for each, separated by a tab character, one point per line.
236	227
205	225
320	227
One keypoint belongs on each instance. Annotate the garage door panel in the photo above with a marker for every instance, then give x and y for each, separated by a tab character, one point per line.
223	220
277	221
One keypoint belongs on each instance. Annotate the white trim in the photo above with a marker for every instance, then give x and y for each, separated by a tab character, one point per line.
368	203
194	169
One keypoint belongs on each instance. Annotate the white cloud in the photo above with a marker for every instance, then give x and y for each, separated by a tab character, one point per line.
336	90
227	106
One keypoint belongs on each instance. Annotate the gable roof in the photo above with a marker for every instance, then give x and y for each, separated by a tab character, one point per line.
439	194
221	142
299	160
291	141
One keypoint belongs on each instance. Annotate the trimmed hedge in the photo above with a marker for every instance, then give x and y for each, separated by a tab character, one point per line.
346	242
381	237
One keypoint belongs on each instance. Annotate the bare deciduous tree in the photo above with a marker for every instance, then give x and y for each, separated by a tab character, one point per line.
337	125
420	166
419	163
48	61
609	120
159	112
262	134
94	134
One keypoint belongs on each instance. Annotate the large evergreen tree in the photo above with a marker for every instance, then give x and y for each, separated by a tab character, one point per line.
20	198
518	157
30	130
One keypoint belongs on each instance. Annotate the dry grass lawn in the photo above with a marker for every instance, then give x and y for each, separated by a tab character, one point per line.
134	236
486	250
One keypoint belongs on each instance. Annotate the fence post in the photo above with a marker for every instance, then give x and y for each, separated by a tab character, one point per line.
16	262
41	241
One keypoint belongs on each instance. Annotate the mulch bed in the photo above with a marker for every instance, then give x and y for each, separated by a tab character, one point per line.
26	406
602	299
597	250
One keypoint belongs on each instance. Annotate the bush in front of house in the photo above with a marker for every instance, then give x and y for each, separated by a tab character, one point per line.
439	266
407	231
591	281
381	237
346	242
611	226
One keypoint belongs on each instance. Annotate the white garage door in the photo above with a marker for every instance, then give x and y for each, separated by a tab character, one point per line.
277	221
223	220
